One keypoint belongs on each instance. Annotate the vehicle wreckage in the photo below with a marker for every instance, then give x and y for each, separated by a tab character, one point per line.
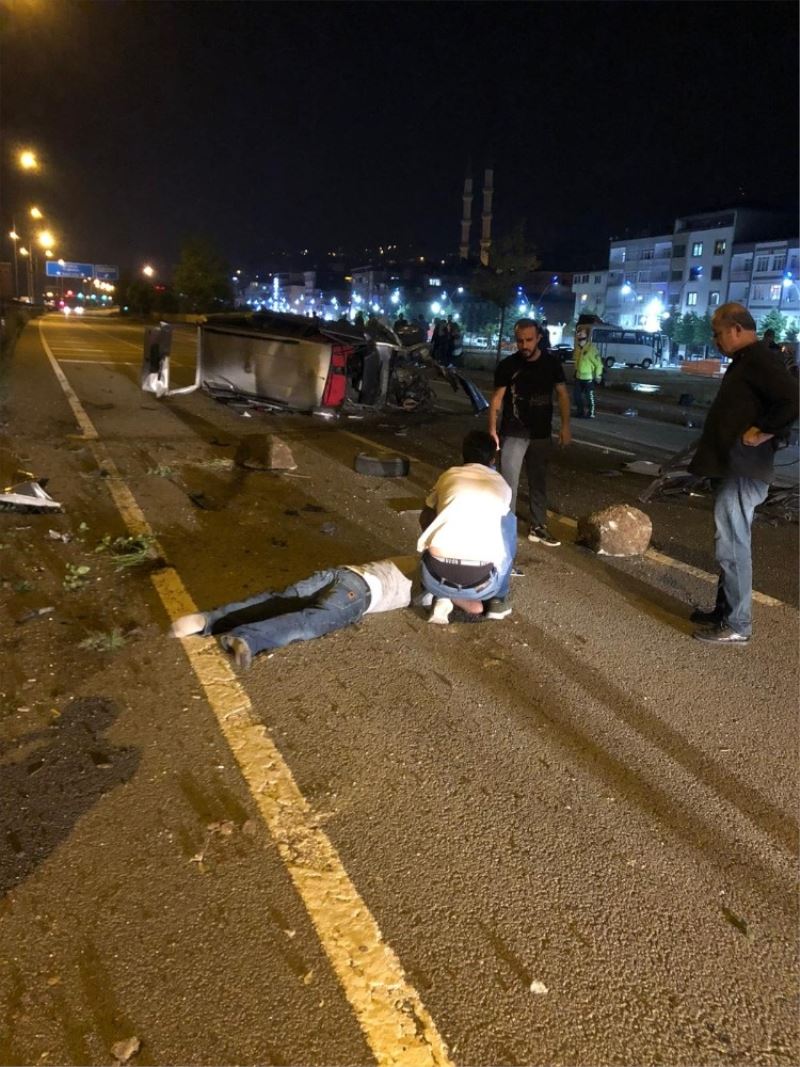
291	363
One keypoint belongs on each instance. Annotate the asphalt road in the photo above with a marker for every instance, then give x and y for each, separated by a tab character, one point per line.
565	838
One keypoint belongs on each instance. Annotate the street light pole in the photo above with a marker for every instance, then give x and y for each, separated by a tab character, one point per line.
14	239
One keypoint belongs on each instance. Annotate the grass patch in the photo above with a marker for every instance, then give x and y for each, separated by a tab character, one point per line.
101	641
127	551
76	576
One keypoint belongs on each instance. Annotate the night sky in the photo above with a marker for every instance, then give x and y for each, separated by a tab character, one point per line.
303	125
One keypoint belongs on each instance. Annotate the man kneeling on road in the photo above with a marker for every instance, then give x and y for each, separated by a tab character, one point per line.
328	600
469	536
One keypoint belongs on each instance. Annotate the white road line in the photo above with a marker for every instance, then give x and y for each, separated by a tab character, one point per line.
389	1010
605	448
101	362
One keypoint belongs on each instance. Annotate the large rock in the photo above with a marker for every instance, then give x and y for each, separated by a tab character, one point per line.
620	530
264	452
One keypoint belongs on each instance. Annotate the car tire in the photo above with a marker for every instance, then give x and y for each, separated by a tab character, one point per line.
390	465
609	362
646	364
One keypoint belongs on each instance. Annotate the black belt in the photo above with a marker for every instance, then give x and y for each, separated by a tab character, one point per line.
473	575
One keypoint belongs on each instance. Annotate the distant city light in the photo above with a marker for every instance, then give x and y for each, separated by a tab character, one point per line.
27	160
436	307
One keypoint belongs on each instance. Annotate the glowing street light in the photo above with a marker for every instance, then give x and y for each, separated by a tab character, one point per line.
35	213
27	159
45	239
148	271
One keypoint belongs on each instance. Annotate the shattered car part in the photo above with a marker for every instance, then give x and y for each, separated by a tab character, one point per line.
28	498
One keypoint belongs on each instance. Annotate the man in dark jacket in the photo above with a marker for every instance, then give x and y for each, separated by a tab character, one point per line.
757	400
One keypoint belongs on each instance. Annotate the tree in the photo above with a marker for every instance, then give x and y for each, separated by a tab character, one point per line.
701	331
511	261
773	320
202	277
684	330
140	297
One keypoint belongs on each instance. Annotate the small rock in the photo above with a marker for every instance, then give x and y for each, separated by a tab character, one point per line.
620	530
264	452
539	988
328	528
124	1050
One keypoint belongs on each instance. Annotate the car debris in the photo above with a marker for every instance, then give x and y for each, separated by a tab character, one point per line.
29	498
643	466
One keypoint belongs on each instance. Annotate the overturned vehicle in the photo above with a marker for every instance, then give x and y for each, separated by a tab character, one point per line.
298	364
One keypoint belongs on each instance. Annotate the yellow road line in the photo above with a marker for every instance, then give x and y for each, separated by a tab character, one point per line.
389	1010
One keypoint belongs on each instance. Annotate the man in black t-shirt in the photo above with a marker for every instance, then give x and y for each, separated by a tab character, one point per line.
522	402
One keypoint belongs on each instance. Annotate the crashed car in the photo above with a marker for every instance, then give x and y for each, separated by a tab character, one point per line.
293	363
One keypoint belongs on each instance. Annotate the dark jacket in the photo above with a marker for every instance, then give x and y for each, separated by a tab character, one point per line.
756	390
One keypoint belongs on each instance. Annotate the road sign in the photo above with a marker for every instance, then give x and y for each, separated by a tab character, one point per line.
105	272
69	270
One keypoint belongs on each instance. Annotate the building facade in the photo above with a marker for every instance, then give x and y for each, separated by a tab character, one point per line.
707	260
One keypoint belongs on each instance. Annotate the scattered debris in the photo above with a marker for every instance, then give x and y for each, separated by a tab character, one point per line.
620	530
200	500
28	498
630	413
35	614
162	471
125	1050
643	466
328	528
736	920
539	988
54	535
389	465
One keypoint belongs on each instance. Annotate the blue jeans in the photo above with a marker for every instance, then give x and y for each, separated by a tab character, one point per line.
326	601
535	453
497	584
735	502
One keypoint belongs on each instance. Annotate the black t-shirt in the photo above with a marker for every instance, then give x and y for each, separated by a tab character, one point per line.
529	385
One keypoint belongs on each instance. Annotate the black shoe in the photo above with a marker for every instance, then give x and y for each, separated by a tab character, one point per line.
710	618
239	649
540	534
721	635
497	608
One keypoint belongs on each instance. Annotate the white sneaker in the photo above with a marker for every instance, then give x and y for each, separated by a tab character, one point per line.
187	625
441	611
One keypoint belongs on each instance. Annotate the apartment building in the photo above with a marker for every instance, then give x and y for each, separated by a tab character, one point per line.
708	259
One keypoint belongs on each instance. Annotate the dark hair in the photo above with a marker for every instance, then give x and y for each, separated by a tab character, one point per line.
524	324
479	447
733	314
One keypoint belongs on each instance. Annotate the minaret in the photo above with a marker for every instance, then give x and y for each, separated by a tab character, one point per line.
466	219
486	218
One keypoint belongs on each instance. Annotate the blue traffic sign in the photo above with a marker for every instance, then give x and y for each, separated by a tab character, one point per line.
69	270
105	272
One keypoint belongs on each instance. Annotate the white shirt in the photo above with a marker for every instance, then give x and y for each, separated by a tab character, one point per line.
470	501
389	588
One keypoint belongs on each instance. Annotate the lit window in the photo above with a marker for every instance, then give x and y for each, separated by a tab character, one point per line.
584	296
695	274
691	300
713	298
775	292
647	253
697	248
719	247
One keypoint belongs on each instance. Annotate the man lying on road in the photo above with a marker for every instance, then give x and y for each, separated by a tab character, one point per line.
328	600
469	536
